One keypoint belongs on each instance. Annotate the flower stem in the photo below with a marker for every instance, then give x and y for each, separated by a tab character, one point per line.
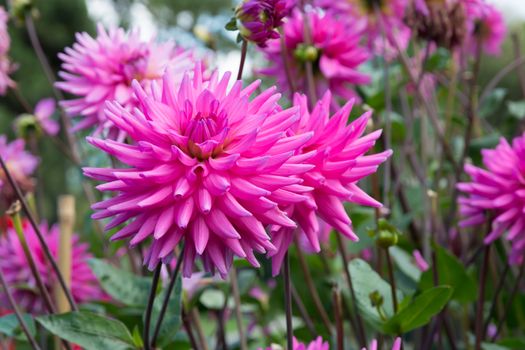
392	280
481	297
16	310
244	50
237	306
17	224
304	313
360	327
35	42
39	235
165	303
499	288
149	308
508	305
312	289
187	326
336	296
288	302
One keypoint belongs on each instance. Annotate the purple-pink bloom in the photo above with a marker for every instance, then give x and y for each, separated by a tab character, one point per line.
98	69
396	346
317	344
20	164
258	20
44	109
206	163
421	263
385	30
497	195
486	27
335	54
338	162
6	66
14	265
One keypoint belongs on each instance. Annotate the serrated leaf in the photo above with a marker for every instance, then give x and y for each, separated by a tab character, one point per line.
123	286
366	281
452	273
420	311
90	331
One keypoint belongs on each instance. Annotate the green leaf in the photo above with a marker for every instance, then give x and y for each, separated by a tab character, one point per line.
405	262
516	109
123	286
420	311
89	330
212	299
492	102
231	25
491	346
137	337
437	61
366	281
172	318
452	273
10	326
513	343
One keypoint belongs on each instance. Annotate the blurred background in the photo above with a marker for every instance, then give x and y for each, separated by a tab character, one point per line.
190	23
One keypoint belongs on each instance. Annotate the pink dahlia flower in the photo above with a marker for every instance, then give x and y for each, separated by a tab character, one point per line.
396	346
5	64
335	54
338	164
486	25
20	164
498	194
44	109
102	68
384	22
258	20
84	285
208	163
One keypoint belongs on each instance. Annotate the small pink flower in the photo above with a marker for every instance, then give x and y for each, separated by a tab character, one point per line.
339	162
20	164
44	109
258	20
497	193
486	24
421	263
6	67
335	53
84	285
396	346
102	68
206	163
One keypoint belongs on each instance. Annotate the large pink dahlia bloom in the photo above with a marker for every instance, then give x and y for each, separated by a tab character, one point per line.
102	68
486	26
498	194
338	164
207	165
84	285
335	53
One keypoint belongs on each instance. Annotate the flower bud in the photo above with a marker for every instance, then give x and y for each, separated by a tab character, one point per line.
376	299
